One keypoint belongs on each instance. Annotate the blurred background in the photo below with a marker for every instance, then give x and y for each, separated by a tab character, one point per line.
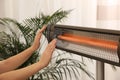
86	13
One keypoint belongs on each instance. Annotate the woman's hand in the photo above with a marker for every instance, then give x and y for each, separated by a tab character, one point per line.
8	71
47	54
36	42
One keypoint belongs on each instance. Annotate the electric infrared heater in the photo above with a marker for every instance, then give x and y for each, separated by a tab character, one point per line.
99	44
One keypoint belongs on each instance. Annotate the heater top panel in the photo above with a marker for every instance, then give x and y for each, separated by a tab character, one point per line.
95	30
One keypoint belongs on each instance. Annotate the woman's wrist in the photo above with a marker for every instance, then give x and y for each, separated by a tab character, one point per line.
32	49
41	64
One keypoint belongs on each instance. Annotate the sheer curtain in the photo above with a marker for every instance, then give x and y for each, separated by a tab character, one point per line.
83	14
88	13
84	11
108	16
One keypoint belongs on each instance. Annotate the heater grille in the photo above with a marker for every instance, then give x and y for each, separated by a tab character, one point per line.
94	35
99	44
106	54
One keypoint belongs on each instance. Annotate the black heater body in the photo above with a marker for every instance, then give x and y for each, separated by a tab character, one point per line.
99	44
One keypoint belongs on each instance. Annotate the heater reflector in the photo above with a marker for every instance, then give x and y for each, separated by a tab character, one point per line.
89	41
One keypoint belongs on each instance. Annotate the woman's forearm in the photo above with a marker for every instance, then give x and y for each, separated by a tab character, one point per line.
22	74
26	72
15	61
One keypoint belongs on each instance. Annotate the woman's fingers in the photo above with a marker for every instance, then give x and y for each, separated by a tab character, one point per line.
36	42
39	33
46	56
42	29
53	42
52	45
50	48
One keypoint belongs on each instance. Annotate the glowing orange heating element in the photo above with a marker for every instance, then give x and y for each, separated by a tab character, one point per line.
89	41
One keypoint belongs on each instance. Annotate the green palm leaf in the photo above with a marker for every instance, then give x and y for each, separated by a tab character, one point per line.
11	44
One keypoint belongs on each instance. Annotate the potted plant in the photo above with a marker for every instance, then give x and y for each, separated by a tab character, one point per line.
11	43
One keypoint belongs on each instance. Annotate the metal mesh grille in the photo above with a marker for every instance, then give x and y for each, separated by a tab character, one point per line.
90	50
95	35
103	53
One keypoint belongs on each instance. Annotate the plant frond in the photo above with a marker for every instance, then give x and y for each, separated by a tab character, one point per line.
11	44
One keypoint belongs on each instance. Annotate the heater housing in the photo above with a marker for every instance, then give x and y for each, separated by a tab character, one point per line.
99	44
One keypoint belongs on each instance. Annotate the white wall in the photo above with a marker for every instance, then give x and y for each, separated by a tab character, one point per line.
2	8
2	11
